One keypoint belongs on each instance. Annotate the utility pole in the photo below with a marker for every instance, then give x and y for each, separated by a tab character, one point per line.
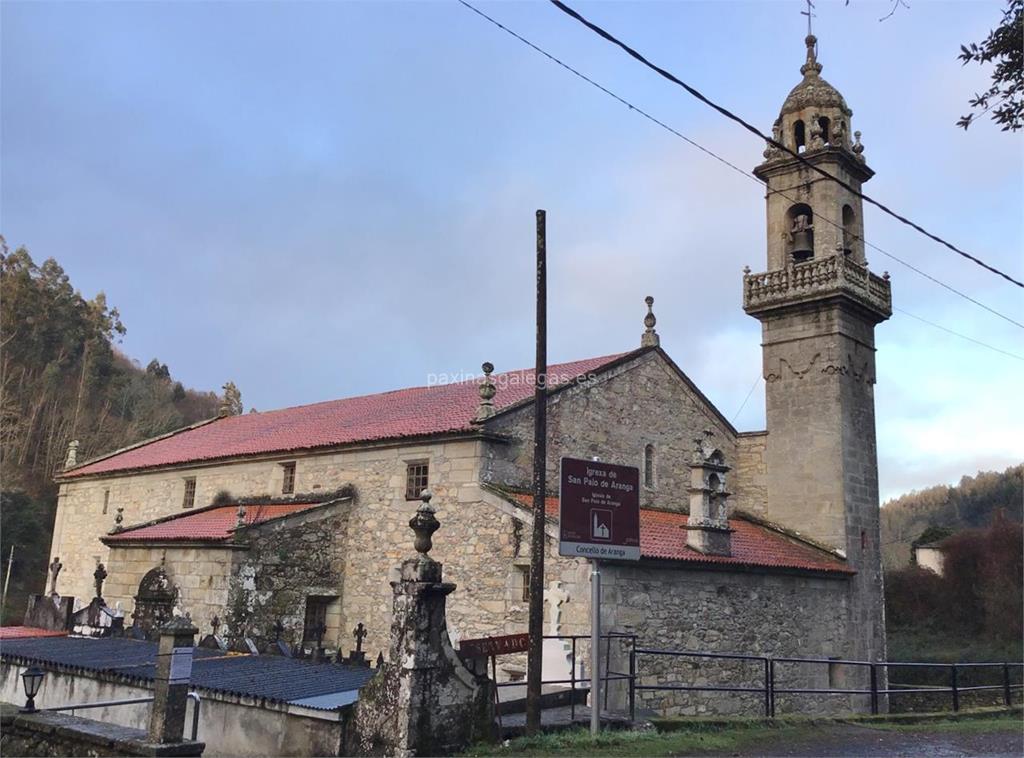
7	581
534	675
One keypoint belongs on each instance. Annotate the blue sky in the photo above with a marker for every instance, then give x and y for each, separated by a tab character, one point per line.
318	200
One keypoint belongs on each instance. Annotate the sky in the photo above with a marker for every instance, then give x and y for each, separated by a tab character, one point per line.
324	199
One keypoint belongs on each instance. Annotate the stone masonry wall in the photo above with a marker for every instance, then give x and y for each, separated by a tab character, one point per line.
200	574
728	612
749	481
286	561
614	418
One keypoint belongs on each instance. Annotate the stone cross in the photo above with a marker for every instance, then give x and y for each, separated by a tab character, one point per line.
215	624
55	568
278	630
99	576
360	634
555	597
650	337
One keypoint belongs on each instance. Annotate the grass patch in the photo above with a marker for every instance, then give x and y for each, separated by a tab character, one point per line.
709	739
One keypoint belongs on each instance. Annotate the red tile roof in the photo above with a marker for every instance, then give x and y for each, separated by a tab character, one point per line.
661	536
24	632
214	524
389	415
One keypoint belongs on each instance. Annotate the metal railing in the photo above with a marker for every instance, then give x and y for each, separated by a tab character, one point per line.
768	688
582	682
193	696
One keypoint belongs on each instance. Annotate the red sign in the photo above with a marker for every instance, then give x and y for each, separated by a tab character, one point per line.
485	646
599	510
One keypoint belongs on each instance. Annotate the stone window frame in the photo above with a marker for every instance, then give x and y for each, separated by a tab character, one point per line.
320	605
189	500
523	577
106	501
649	468
288	478
417	477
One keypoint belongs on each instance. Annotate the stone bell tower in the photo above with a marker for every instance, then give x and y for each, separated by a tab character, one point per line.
818	305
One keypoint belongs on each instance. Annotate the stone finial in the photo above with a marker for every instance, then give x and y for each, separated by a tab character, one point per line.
811	67
650	337
72	460
119	519
487	392
885	275
240	517
858	148
424	523
746	270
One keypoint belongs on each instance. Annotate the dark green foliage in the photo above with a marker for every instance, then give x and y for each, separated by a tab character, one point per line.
62	379
25	524
1004	47
970	504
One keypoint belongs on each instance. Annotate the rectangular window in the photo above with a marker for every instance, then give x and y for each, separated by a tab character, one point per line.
315	625
524	577
106	500
190	492
415	479
288	485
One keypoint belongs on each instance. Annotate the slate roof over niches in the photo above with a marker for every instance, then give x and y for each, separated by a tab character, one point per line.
272	678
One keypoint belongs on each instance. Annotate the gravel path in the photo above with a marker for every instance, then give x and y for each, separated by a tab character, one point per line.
857	740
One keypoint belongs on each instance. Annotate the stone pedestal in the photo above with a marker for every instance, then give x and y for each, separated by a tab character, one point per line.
425	701
173	674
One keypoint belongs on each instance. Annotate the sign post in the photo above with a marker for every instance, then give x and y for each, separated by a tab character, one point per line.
599	518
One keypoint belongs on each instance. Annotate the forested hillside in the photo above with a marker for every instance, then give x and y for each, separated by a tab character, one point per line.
63	379
970	504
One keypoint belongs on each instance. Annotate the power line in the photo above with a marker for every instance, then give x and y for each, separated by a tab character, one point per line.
720	159
754	130
957	334
744	403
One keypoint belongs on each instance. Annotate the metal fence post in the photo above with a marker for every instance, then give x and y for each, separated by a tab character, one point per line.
956	692
632	680
771	678
572	702
874	690
1007	697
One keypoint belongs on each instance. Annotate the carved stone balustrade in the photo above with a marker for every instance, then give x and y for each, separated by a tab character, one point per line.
837	276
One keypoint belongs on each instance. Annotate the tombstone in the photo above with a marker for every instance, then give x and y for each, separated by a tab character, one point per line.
51	613
278	646
245	645
154	603
358	656
213	641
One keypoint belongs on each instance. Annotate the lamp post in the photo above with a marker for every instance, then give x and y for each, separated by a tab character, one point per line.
32	680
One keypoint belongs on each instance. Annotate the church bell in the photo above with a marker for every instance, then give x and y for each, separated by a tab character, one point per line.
802	246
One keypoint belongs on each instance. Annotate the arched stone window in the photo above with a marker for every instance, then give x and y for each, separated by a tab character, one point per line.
715	485
849	229
649	466
799	136
800	237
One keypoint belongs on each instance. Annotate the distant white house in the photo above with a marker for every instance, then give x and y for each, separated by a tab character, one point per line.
931	556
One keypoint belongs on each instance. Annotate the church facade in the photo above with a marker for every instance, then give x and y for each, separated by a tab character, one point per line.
286	524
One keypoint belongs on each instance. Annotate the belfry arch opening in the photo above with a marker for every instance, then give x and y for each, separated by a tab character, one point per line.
823	126
849	229
800	236
799	136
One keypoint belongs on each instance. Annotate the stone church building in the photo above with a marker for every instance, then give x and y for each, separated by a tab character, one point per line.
288	523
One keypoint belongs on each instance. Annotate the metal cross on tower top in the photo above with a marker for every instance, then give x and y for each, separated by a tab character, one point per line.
810	14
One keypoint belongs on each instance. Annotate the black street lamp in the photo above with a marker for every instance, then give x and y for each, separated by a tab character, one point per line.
32	679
